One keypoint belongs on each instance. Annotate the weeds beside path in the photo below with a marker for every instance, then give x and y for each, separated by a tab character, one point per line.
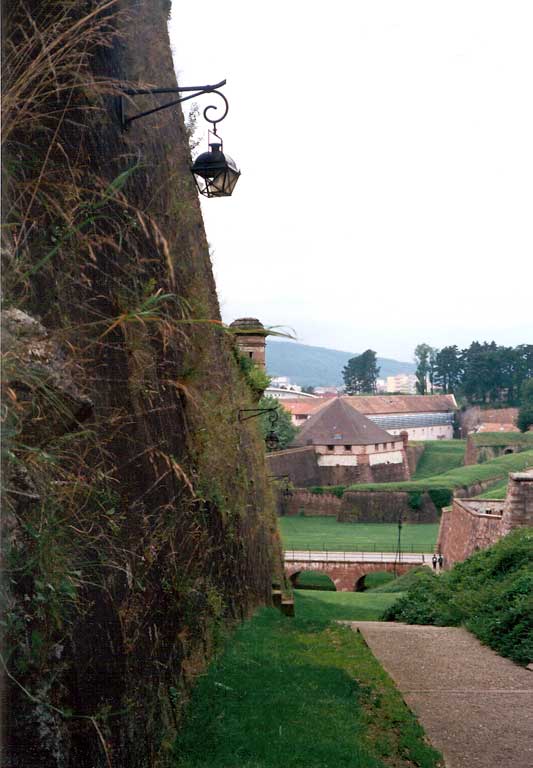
290	693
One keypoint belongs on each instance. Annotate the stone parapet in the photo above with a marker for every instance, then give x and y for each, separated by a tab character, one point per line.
465	528
518	510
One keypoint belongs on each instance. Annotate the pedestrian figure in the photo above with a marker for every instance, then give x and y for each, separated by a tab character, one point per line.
434	561
441	561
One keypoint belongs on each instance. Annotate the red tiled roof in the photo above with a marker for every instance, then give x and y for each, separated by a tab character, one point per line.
499	416
491	426
302	407
339	424
385	404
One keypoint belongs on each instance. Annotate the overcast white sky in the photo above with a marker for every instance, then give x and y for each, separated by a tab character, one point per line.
386	149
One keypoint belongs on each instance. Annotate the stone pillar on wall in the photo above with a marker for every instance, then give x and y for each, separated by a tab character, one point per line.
251	339
518	510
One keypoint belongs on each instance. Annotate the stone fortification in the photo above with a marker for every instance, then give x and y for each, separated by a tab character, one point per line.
298	463
518	509
473	524
385	507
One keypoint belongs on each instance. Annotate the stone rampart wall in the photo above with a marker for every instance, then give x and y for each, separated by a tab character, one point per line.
518	509
310	504
465	528
385	507
463	532
478	454
299	463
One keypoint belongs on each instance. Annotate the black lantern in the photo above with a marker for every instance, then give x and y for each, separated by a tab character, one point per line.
271	440
215	173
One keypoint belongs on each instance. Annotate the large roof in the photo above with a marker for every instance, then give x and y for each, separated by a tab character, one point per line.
336	423
373	405
303	406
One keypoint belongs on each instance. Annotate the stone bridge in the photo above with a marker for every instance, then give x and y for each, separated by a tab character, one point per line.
347	570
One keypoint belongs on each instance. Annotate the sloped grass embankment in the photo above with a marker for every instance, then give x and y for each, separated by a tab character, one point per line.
491	594
461	477
292	693
440	456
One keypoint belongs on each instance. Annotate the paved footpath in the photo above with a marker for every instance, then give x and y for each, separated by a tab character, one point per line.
475	706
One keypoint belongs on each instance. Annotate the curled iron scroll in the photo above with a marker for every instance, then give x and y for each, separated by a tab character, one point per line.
215	107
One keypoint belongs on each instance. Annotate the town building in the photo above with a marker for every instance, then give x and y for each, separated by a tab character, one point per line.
343	447
282	388
404	383
423	417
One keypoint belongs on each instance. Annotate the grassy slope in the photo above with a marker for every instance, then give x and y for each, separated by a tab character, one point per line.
294	693
402	583
491	593
459	477
499	491
440	456
314	605
323	533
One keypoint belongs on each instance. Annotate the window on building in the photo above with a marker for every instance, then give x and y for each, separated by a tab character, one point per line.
376	446
250	354
348	448
331	447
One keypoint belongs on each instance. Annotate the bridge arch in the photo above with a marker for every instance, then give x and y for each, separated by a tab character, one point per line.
294	578
345	575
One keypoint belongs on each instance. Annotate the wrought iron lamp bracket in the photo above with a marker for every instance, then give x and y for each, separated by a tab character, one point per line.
192	91
254	412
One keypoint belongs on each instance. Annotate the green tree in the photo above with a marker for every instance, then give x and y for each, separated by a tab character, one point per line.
360	373
525	413
424	357
282	426
448	368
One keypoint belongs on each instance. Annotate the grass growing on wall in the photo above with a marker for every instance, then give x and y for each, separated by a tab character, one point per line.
440	456
325	533
497	492
294	693
500	439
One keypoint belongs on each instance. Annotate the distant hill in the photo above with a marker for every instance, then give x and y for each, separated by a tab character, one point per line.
319	366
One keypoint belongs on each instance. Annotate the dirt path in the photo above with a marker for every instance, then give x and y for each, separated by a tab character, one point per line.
475	706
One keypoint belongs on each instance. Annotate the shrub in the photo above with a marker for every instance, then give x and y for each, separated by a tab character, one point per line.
491	594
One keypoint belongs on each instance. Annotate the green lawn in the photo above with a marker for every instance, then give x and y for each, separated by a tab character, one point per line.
297	693
440	456
348	606
323	533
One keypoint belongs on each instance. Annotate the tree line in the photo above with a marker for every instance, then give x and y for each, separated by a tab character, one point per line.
483	373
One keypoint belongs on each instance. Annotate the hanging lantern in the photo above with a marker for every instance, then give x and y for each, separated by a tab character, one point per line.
215	173
271	440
